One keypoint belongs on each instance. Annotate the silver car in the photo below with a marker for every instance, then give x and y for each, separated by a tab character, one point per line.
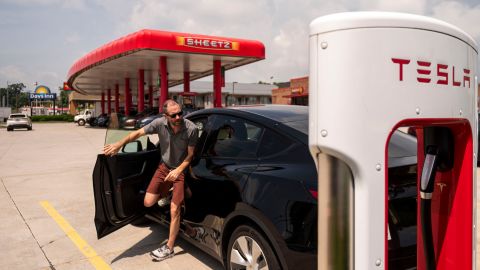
19	120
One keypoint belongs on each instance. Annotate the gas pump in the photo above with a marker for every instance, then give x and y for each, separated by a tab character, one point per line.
373	74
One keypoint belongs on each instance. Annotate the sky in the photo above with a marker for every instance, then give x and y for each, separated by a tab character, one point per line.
41	39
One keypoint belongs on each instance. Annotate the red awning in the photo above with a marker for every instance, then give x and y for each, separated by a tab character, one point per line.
111	63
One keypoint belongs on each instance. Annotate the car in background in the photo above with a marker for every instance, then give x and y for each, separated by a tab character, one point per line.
141	122
102	120
131	121
253	188
19	120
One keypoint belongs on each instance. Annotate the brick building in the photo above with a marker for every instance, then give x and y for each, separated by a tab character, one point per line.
294	94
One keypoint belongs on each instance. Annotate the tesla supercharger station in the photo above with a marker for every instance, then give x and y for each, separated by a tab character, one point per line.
372	73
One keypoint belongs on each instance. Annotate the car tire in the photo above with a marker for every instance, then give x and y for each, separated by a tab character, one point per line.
81	122
9	129
29	128
244	242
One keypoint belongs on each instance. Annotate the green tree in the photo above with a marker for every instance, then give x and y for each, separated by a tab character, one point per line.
3	97
63	97
13	95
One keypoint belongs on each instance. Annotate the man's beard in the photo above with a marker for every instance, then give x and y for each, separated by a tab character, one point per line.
176	123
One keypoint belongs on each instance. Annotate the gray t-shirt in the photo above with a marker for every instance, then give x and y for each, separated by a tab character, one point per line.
173	147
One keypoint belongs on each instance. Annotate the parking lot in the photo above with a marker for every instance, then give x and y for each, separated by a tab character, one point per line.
47	206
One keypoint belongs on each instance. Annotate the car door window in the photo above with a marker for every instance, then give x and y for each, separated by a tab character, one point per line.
202	126
234	137
272	143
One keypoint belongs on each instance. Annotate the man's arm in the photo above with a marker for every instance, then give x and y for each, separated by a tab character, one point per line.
173	174
112	149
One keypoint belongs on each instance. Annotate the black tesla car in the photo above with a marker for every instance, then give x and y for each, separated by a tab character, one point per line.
253	187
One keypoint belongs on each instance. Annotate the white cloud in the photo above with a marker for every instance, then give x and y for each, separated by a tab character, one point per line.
12	74
69	4
409	6
16	74
74	4
461	15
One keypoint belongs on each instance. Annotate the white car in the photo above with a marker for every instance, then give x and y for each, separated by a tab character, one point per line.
19	120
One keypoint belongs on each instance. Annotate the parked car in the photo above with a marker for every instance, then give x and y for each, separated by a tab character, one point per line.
253	188
141	122
19	120
131	121
102	120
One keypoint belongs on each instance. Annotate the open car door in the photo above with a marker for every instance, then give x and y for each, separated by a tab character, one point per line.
119	183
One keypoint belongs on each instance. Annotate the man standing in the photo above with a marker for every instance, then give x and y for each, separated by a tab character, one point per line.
177	138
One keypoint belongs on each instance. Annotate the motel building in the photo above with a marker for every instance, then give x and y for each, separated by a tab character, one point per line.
201	96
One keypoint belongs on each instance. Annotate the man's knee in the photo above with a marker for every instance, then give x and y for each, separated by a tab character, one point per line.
148	203
150	200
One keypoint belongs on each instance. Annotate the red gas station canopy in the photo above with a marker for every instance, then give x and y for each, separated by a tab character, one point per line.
112	63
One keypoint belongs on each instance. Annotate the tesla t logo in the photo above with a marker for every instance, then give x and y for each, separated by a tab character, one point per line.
441	185
207	43
442	74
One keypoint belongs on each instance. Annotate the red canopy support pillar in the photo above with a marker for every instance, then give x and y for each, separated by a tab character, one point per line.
217	83
186	82
163	83
141	90
117	98
103	102
109	100
150	96
128	98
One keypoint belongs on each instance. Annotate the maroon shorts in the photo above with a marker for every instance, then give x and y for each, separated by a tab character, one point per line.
158	185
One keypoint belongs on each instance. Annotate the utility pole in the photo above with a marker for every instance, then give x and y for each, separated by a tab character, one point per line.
8	86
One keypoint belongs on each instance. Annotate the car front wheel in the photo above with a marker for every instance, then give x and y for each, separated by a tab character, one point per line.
248	249
81	122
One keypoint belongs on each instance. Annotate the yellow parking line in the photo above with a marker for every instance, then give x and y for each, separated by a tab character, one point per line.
86	249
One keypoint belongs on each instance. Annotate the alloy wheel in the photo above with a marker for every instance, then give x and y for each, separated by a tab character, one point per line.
247	254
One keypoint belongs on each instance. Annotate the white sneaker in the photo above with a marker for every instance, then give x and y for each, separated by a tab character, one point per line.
162	253
165	201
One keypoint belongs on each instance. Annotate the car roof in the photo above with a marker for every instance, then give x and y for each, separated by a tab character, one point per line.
277	113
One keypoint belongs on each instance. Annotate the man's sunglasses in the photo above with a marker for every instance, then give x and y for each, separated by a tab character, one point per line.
174	115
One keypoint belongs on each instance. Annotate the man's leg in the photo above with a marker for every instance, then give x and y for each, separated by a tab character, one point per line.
175	209
150	199
174	224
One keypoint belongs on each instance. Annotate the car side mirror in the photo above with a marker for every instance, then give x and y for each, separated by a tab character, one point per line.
132	147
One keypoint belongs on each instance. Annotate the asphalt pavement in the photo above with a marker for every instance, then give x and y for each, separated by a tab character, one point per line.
47	208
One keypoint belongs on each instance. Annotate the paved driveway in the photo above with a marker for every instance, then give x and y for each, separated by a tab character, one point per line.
50	168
